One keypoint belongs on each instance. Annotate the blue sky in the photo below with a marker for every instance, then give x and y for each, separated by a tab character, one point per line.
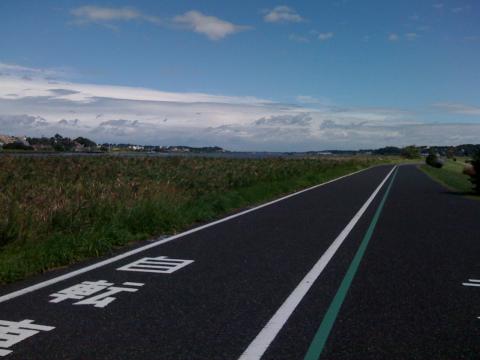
248	75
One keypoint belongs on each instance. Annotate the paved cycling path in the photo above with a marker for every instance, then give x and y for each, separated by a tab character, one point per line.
368	266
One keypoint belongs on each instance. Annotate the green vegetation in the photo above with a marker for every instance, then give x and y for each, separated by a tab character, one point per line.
475	179
17	146
450	175
60	143
433	160
55	211
411	152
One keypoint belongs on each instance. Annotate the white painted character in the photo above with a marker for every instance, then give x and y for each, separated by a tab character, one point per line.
101	288
159	265
80	291
104	299
12	332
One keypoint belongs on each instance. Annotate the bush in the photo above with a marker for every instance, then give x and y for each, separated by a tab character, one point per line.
475	178
451	153
410	152
85	142
434	161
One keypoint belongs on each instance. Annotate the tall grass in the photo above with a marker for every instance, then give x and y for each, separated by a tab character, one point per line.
57	211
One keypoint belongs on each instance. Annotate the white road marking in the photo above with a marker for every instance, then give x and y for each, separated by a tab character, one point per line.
88	288
74	273
260	344
133	284
159	265
12	332
473	282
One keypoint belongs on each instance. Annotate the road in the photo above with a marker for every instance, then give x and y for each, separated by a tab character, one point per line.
381	264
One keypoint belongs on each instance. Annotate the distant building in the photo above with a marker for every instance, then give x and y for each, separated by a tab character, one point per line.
5	139
23	140
78	146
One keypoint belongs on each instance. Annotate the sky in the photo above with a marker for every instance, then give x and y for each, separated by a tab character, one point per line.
243	75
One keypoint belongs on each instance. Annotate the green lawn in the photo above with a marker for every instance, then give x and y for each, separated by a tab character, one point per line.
450	175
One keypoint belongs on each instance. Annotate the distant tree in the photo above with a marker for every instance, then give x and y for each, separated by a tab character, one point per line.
105	147
467	149
410	152
59	147
388	150
17	146
60	143
85	142
433	159
450	152
39	141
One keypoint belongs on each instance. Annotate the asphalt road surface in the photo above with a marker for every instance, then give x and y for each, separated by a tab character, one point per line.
382	264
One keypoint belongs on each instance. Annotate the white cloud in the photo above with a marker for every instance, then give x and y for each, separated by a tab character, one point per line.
123	114
459	9
99	14
456	108
282	14
411	36
299	38
325	36
313	100
472	38
301	119
29	72
423	27
307	99
211	26
393	37
88	93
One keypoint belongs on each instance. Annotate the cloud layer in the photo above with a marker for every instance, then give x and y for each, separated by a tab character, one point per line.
461	109
42	106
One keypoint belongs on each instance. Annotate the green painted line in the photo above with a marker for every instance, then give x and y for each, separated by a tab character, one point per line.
321	337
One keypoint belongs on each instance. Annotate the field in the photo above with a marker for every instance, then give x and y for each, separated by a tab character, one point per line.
450	175
57	211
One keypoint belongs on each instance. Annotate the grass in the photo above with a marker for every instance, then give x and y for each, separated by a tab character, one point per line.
55	211
450	175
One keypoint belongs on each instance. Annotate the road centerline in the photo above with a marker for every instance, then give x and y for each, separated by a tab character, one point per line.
318	344
262	341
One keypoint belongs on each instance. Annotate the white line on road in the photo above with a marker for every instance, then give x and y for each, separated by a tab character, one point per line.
69	275
133	284
260	344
